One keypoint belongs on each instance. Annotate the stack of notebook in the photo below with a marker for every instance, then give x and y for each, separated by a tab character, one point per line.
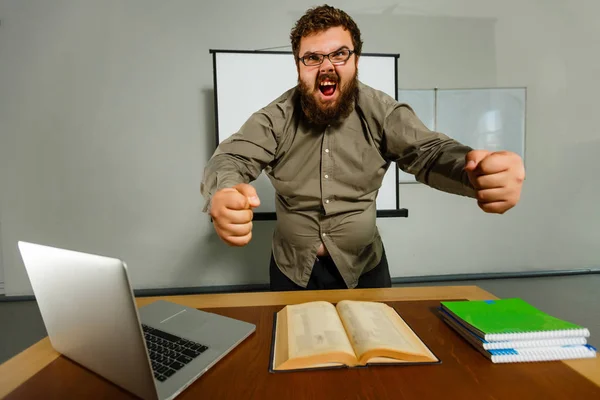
511	330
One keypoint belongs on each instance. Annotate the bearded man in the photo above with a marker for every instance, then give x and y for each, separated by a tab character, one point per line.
326	145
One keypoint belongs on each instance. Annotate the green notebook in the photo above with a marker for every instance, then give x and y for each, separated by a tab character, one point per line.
510	319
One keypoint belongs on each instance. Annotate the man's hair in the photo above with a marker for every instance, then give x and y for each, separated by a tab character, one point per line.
321	18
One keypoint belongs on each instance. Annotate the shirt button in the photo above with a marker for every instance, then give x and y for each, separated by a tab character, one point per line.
324	234
327	201
326	176
326	150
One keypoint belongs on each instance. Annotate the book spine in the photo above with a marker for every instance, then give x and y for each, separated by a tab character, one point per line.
520	344
498	337
542	354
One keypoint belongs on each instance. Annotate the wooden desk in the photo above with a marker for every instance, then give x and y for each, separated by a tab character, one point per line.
30	362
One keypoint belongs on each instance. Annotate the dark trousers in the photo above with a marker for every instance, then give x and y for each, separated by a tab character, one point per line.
325	275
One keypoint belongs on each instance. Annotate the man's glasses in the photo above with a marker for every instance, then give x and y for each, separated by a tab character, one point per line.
336	57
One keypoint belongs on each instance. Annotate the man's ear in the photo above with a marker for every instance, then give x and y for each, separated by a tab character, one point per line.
357	60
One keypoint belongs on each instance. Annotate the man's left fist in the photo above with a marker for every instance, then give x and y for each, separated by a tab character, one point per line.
497	178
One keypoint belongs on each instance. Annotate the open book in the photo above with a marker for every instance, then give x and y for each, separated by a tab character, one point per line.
352	333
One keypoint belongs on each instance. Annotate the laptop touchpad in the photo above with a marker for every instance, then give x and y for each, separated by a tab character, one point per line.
184	321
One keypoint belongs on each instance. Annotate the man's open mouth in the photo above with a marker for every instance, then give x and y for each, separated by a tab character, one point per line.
327	88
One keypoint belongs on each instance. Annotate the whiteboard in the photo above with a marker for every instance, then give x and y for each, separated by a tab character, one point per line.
491	119
246	81
483	118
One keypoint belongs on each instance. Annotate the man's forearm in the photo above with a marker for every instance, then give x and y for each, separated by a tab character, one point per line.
447	172
442	167
222	171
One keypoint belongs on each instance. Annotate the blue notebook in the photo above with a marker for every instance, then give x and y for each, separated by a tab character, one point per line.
541	354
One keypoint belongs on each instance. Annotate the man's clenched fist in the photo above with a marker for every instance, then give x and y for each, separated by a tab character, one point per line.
497	177
231	211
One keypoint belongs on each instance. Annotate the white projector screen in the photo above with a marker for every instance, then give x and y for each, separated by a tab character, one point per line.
246	81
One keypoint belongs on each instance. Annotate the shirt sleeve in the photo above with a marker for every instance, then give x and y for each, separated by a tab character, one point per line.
241	157
432	157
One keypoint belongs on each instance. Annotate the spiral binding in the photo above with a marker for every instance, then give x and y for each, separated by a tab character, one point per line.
518	344
497	337
547	354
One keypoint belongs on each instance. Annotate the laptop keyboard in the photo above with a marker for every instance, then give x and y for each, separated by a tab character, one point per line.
169	353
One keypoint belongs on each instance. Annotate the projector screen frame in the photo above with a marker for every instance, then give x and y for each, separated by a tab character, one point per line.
266	216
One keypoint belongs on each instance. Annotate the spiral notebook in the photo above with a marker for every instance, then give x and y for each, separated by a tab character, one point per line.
483	344
510	319
511	331
541	354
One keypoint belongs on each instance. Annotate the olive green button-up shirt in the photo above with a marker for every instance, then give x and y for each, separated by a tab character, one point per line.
327	178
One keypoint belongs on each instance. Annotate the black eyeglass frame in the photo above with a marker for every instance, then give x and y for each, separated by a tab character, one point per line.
322	56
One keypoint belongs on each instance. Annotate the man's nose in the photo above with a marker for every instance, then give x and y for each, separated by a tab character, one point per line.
326	66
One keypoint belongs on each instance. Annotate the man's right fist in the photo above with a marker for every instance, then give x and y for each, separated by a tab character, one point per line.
231	211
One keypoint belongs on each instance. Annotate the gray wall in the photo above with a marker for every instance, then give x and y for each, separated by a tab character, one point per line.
106	122
1	264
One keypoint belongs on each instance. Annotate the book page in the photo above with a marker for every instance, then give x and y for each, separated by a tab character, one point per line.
377	329
315	328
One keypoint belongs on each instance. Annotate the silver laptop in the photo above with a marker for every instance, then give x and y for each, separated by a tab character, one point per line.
88	308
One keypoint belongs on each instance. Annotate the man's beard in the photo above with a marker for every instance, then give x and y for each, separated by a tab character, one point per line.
320	114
